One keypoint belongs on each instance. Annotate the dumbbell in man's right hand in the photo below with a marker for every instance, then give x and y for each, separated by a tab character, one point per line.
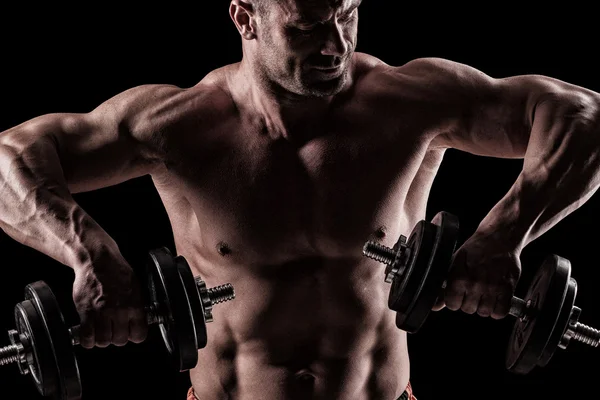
107	297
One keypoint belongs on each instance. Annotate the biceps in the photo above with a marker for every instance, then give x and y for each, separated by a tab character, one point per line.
495	117
493	130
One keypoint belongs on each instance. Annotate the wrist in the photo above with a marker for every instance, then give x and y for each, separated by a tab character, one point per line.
94	249
509	223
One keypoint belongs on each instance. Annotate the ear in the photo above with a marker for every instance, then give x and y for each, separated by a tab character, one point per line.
242	14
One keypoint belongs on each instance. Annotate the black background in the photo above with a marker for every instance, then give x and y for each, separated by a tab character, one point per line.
55	60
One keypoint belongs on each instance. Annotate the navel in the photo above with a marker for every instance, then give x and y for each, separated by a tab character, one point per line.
304	383
305	377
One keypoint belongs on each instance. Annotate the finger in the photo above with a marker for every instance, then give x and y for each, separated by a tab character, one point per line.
439	303
487	302
470	302
120	328
456	287
138	327
439	300
87	337
454	293
502	306
453	296
103	326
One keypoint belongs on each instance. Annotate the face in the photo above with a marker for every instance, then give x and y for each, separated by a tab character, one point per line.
305	46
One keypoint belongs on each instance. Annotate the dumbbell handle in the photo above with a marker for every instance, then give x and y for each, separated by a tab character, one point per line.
214	295
518	307
152	317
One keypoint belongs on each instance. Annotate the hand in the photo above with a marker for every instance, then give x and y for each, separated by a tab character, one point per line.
108	300
483	277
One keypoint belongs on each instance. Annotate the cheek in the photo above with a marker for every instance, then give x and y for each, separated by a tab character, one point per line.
304	48
279	57
278	44
350	33
288	51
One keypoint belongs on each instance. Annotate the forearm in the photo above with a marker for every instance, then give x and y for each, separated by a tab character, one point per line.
561	171
36	207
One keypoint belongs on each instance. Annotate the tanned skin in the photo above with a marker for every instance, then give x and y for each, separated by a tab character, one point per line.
274	171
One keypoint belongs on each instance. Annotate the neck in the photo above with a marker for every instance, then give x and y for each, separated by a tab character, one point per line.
280	111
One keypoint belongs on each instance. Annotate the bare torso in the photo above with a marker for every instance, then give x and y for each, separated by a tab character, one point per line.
284	220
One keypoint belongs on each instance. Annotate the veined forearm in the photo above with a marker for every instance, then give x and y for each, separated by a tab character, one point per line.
561	171
36	207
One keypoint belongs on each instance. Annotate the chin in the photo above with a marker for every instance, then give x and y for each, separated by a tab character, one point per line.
325	88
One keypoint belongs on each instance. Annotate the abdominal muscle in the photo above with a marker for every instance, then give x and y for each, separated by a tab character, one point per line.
310	329
310	318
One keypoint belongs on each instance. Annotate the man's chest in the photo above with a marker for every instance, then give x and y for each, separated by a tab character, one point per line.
324	197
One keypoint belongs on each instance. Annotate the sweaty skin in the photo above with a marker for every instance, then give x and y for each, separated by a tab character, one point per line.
280	203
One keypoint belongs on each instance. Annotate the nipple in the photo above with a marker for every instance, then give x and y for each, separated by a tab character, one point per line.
223	249
381	232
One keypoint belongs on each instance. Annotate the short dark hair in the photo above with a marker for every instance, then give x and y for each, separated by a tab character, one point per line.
262	6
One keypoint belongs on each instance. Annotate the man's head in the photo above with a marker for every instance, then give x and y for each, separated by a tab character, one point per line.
300	46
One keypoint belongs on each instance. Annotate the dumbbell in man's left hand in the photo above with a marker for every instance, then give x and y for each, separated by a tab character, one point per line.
482	279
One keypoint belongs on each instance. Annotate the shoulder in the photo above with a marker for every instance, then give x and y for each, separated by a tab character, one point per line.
428	73
441	67
155	115
156	106
426	95
423	82
417	83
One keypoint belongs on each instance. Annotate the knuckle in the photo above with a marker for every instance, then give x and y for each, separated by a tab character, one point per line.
484	311
120	341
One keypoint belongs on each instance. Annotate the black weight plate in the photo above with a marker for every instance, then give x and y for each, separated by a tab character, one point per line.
447	229
42	366
195	304
405	287
547	294
166	290
397	301
561	324
63	352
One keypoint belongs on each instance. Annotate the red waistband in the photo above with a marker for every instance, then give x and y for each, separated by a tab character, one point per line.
409	391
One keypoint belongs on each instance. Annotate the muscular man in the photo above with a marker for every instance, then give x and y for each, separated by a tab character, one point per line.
263	168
